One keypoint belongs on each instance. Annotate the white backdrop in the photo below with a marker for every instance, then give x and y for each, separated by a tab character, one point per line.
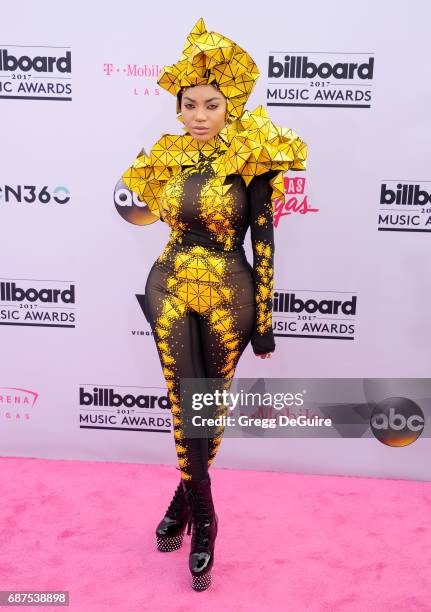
61	160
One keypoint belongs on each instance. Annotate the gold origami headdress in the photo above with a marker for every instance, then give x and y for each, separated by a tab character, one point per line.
210	57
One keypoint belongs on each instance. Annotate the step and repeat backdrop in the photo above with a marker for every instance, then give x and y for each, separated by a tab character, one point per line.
80	377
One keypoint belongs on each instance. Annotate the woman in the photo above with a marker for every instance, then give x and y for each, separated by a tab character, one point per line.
203	300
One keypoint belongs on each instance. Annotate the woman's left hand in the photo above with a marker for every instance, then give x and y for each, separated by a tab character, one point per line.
264	355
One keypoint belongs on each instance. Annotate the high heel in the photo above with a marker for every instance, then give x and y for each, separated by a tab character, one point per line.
170	530
205	527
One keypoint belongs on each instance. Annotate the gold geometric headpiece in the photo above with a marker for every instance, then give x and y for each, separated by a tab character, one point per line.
210	57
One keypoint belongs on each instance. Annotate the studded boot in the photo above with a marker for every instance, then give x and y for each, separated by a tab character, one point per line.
205	526
170	530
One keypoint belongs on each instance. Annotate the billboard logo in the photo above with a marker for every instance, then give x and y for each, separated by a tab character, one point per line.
37	303
404	206
342	80
35	73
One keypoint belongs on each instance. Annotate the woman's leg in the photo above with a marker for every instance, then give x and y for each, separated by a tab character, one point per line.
177	338
206	344
225	333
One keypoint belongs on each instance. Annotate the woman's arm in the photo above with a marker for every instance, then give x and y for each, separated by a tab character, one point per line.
262	240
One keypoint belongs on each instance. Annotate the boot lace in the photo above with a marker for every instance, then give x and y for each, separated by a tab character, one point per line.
177	503
202	518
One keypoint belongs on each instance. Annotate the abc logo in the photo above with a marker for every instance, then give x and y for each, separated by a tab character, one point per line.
397	421
130	207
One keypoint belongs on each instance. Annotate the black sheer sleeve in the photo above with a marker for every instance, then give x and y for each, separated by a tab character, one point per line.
262	240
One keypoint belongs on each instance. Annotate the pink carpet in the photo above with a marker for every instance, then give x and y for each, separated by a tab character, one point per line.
286	541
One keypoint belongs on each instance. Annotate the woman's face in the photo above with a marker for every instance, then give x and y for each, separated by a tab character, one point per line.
203	108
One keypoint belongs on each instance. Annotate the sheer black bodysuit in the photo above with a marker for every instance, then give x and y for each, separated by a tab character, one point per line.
203	299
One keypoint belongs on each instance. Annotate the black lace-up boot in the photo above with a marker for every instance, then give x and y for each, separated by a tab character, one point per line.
205	524
170	531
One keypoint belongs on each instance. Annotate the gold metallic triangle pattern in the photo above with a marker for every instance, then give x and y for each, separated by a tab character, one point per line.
257	145
249	146
215	210
198	283
171	202
210	57
264	287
